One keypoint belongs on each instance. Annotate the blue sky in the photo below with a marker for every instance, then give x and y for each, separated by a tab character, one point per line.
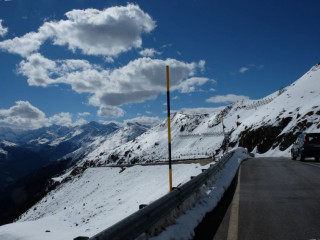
70	62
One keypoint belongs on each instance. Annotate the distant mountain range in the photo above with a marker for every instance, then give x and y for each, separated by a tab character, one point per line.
29	159
21	152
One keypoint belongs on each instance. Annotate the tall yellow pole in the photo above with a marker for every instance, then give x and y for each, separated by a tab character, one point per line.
169	129
224	135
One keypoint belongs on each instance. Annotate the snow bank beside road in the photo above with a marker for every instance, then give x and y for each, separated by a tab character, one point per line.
185	224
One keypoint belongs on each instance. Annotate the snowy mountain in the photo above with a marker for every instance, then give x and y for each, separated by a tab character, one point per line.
265	126
58	142
34	157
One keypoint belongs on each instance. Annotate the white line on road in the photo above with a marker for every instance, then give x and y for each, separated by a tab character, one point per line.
234	215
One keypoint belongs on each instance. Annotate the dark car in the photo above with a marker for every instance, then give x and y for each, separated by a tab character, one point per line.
306	145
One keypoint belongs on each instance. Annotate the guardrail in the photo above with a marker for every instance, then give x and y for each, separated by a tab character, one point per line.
148	217
259	103
198	135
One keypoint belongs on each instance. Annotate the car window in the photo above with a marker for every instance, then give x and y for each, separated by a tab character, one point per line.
313	139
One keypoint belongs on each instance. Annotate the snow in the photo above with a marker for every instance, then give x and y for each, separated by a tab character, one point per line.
40	140
103	196
8	144
185	224
95	200
4	144
62	177
57	141
3	152
274	153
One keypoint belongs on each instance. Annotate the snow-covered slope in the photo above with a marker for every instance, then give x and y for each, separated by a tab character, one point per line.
95	200
100	197
268	125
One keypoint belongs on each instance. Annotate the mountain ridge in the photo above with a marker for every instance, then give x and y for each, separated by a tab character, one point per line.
48	144
266	125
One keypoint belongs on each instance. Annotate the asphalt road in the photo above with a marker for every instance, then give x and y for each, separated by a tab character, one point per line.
274	198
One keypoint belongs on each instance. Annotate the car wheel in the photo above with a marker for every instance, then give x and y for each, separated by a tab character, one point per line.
317	159
300	157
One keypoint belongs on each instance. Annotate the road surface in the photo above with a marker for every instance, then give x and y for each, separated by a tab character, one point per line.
273	198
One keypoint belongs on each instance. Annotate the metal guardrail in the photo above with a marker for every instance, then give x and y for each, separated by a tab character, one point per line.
195	135
141	221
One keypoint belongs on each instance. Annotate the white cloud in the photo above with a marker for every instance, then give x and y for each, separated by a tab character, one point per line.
24	115
84	114
3	30
149	52
167	45
79	122
22	109
62	119
144	120
243	69
65	119
38	69
110	111
250	67
229	98
202	64
80	74
109	32
109	59
141	79
190	84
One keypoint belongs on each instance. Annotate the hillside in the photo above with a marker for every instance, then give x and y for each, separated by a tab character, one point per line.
266	126
34	148
29	163
99	197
